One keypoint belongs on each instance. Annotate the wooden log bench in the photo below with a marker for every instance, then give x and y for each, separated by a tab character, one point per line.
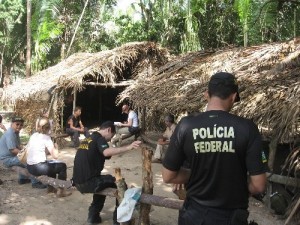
112	192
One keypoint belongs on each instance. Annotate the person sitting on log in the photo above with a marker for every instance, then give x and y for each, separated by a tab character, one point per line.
163	142
127	129
10	146
40	144
88	164
75	127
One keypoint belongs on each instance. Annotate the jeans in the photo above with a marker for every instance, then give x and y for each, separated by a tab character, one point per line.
50	169
14	161
95	185
75	134
193	213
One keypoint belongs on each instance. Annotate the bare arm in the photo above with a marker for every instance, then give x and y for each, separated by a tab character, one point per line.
14	151
115	151
176	177
54	151
70	122
257	183
128	124
81	125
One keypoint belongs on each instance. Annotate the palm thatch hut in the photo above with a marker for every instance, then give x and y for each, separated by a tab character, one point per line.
91	80
269	81
268	77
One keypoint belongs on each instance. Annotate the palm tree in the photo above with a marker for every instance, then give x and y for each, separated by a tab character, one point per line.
28	34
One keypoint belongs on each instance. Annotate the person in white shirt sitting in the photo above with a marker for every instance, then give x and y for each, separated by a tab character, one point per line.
128	128
39	146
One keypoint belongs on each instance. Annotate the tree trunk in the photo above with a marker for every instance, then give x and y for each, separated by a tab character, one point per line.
28	32
147	186
1	74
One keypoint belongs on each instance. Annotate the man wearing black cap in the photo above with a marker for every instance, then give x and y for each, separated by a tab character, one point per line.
225	156
10	146
88	164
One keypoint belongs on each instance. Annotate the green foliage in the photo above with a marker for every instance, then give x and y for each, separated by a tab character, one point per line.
46	30
179	25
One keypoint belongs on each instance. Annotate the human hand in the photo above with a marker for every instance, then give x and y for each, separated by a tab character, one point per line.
180	191
135	145
177	187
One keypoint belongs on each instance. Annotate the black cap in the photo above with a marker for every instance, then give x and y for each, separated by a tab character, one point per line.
17	119
224	80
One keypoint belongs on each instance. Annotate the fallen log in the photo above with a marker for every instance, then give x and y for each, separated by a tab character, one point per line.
112	192
279	179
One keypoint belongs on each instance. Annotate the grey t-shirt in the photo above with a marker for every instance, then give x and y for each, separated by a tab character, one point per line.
8	141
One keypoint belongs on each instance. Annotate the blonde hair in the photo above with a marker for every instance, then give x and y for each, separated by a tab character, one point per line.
43	125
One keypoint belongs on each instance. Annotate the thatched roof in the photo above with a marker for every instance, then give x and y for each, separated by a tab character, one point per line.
268	76
114	67
106	67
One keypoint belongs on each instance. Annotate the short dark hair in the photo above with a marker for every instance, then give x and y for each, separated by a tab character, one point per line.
222	85
170	118
108	124
77	108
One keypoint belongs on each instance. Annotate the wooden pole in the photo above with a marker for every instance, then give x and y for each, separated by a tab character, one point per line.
121	188
295	209
147	185
74	99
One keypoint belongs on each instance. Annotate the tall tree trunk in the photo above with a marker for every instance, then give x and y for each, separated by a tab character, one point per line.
1	74
78	23
28	32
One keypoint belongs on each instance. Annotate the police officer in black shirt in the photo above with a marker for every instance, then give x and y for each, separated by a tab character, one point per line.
88	164
225	157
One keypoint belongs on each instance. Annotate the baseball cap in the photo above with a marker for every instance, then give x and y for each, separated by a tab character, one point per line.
224	80
17	119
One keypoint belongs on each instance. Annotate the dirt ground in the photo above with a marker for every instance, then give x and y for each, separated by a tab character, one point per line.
23	205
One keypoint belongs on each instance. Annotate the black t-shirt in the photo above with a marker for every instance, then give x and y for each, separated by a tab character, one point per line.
220	149
89	159
75	121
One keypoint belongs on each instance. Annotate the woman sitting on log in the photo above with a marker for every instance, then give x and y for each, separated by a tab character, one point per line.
39	145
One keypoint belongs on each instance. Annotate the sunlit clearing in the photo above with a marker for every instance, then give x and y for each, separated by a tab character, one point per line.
31	220
3	219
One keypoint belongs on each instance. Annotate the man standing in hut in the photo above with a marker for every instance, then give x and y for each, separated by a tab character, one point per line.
88	164
75	127
222	149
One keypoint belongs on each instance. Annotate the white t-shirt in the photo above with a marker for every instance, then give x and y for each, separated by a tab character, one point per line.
132	115
37	148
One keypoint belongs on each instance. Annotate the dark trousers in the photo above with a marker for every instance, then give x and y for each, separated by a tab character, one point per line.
75	134
51	169
95	185
193	213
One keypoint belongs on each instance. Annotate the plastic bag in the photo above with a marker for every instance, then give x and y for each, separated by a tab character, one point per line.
125	209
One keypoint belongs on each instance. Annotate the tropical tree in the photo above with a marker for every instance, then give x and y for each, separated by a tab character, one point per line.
12	38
